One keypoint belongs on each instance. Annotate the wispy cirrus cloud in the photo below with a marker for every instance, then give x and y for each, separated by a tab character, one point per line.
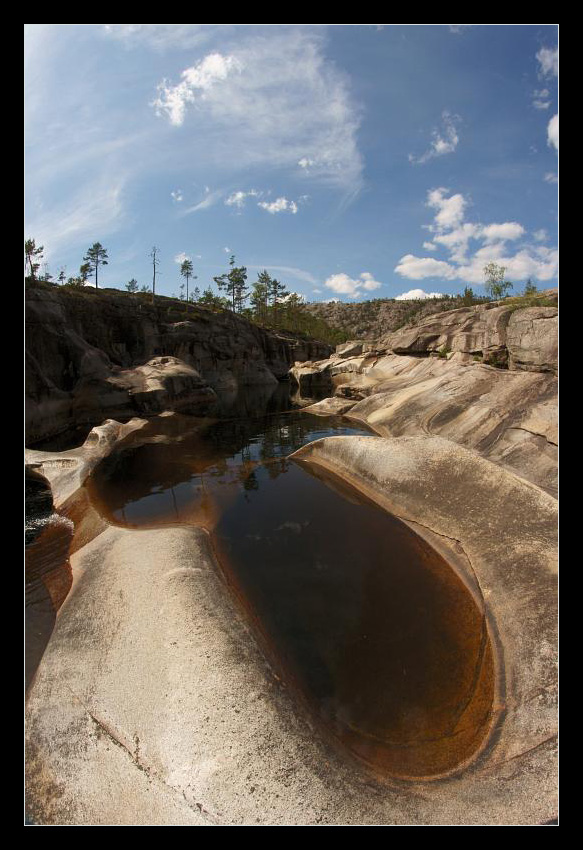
273	101
95	211
164	37
292	271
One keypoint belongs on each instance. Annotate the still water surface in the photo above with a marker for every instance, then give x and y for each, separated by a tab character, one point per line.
368	624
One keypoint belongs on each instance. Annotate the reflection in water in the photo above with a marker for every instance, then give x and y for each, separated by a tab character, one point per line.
372	627
183	470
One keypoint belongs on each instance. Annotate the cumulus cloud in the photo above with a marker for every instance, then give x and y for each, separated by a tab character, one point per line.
196	85
444	140
450	210
501	232
541	99
465	260
418	268
548	58
279	205
553	132
417	294
180	258
343	284
237	199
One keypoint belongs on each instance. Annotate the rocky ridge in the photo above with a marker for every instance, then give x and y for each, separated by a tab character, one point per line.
483	377
93	355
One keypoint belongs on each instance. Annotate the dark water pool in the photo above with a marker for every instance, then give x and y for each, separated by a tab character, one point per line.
369	625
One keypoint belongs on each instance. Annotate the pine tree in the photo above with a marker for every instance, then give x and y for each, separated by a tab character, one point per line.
260	297
96	256
277	292
186	270
234	284
31	253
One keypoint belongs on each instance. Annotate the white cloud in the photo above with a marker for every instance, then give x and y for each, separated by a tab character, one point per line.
162	37
455	235
209	200
457	240
450	211
418	268
96	210
541	99
342	284
197	84
444	140
501	232
548	58
177	196
553	132
180	258
279	205
271	100
430	246
540	235
417	294
300	274
551	177
237	199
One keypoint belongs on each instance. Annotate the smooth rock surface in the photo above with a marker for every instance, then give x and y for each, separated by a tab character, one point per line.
509	417
155	705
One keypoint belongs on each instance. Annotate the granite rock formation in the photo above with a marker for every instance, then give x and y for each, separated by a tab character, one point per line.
92	355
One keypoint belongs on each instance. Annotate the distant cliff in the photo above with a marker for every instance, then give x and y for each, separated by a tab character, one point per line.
95	354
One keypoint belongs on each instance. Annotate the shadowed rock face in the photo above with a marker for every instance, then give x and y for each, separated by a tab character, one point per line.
94	355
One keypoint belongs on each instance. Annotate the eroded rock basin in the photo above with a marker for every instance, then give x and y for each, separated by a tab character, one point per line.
370	626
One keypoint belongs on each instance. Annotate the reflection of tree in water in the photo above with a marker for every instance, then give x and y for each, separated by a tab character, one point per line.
174	452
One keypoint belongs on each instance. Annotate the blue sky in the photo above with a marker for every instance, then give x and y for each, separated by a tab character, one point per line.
351	161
